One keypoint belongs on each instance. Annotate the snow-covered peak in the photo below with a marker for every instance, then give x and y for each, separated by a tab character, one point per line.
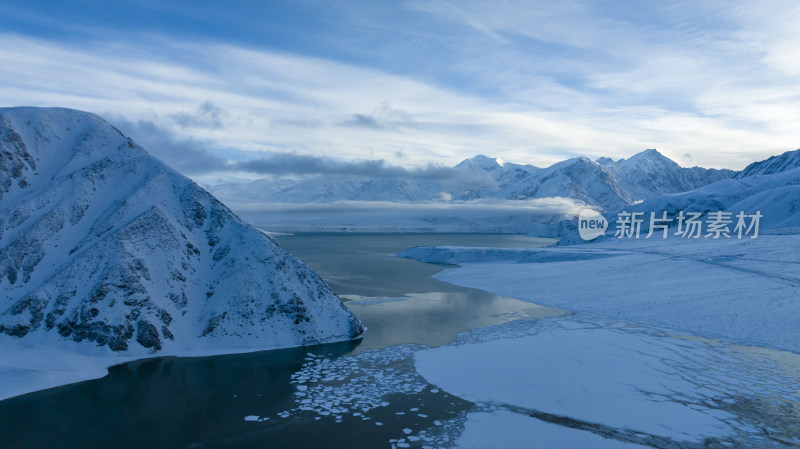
649	173
775	164
103	249
648	161
650	152
481	163
579	178
46	143
574	161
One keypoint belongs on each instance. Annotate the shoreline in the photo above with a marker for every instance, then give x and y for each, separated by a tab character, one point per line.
73	367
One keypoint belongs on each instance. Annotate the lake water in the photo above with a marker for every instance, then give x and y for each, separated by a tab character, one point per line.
302	397
396	298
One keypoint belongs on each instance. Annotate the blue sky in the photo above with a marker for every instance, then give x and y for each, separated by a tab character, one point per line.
413	83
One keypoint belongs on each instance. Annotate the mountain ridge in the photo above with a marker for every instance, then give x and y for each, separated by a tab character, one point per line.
604	183
772	165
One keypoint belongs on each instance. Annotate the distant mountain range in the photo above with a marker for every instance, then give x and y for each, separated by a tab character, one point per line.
771	187
604	183
104	249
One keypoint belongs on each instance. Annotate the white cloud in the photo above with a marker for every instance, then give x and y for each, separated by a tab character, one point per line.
552	81
448	11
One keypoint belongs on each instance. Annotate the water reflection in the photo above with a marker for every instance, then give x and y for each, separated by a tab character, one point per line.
363	264
434	318
396	298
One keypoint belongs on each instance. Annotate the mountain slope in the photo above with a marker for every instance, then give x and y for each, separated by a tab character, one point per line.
104	248
577	178
775	164
487	177
776	196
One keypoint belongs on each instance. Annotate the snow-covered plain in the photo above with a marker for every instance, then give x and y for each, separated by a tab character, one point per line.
744	290
601	380
665	349
25	368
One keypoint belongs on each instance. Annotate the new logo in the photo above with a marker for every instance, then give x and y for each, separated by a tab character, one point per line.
591	224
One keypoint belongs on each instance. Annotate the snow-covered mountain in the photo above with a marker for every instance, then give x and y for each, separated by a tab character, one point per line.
776	196
649	174
604	183
105	249
775	164
487	177
577	178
